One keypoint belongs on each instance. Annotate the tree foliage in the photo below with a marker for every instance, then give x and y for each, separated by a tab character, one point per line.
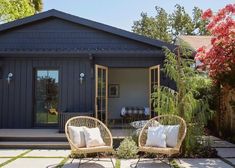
154	27
17	9
219	59
37	4
167	27
186	101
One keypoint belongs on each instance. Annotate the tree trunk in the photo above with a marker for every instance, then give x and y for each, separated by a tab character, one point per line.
227	107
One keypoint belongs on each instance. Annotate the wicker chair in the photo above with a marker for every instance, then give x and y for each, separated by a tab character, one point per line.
164	120
90	122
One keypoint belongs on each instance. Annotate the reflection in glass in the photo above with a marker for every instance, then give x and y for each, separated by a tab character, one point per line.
101	94
47	96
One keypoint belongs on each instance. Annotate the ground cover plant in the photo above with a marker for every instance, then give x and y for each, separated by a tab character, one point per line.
127	149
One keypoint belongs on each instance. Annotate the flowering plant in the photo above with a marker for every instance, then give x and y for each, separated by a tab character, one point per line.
219	59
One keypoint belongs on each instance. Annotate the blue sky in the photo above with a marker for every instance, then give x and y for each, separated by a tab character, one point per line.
122	13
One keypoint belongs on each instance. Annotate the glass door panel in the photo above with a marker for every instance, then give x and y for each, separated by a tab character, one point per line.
101	99
154	82
46	97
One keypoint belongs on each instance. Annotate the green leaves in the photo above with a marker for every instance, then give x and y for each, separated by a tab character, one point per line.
127	149
167	27
17	9
154	27
37	4
188	100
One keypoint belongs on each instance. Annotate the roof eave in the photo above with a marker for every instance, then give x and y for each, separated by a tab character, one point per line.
88	23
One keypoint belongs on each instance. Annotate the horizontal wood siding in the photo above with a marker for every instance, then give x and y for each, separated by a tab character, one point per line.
17	98
54	33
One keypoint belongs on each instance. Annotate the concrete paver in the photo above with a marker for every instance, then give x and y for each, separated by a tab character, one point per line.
11	152
34	163
222	144
144	163
48	153
2	160
226	152
102	163
203	163
231	160
211	138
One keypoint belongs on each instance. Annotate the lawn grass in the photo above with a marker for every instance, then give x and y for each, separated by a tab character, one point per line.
61	164
14	158
46	118
118	164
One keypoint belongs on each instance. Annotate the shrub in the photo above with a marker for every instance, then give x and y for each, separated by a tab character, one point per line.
127	149
187	99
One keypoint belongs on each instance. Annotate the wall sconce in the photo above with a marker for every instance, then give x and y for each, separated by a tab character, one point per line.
9	77
82	75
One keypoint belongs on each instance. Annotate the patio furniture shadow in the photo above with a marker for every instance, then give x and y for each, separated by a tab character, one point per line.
150	165
85	165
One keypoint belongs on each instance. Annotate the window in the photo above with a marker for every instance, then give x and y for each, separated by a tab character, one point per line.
46	96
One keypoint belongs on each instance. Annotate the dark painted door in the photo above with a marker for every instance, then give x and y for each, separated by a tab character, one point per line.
46	97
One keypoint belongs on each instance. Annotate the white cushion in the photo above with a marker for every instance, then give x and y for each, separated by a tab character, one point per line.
93	137
77	136
156	137
171	132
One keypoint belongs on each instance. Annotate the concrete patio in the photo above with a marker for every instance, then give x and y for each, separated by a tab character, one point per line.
10	158
50	158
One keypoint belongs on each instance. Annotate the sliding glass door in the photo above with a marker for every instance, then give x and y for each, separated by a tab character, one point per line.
46	97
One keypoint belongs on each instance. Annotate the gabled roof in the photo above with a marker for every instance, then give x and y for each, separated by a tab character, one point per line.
85	22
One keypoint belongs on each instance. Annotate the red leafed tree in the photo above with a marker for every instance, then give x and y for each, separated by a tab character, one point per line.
219	59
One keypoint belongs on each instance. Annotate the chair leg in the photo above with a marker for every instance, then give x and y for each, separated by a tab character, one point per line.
162	160
112	161
137	161
98	156
72	160
80	159
179	160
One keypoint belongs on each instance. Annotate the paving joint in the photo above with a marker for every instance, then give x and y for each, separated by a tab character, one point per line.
227	161
15	157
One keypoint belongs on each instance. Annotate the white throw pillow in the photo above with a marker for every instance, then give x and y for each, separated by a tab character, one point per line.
171	132
93	137
156	137
77	136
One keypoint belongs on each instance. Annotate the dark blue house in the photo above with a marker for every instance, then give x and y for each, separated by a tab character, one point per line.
54	65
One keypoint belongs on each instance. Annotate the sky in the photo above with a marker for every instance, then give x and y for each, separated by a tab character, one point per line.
122	13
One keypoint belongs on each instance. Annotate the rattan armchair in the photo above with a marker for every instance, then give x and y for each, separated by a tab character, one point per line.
163	120
90	122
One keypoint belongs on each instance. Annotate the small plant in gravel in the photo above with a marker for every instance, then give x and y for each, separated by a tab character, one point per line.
127	149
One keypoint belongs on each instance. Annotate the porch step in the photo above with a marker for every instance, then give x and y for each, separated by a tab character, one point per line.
33	145
45	138
33	139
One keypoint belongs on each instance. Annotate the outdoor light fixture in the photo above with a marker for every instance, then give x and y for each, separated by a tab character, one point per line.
9	77
82	75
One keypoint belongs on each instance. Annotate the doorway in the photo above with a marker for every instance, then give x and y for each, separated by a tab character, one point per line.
46	97
133	90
